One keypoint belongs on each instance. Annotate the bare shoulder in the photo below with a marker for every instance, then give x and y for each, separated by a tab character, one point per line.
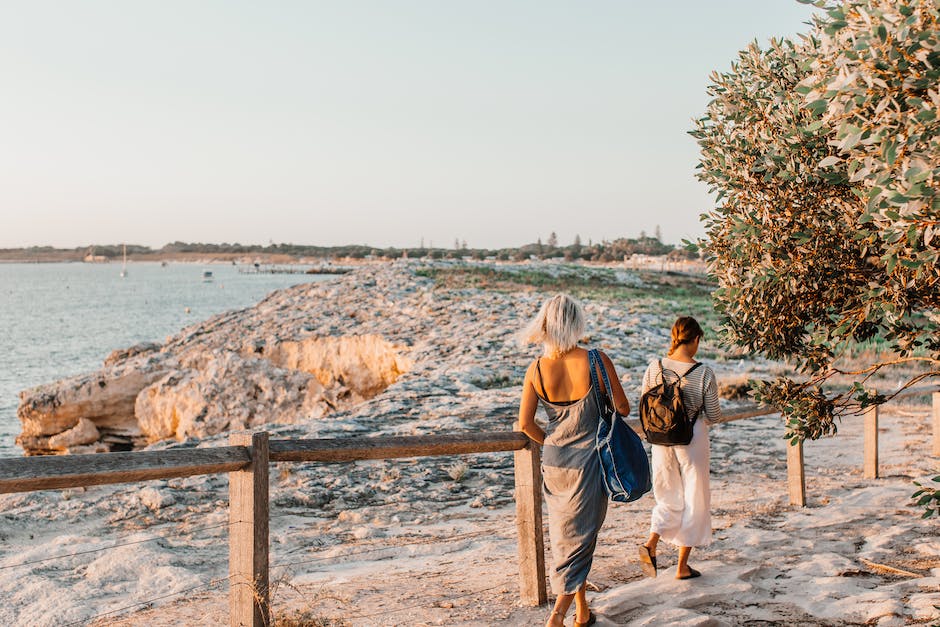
530	371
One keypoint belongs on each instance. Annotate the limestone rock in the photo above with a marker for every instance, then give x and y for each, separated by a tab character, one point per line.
366	364
221	391
123	354
85	432
106	398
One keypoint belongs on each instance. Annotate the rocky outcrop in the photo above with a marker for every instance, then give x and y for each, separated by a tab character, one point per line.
271	363
51	413
222	391
123	354
364	365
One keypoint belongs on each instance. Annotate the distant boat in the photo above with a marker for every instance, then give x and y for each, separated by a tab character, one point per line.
207	275
124	266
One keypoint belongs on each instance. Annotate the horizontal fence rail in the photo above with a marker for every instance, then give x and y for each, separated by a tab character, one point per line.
26	474
385	447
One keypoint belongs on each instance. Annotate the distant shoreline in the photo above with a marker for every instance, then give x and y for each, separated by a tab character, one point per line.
6	257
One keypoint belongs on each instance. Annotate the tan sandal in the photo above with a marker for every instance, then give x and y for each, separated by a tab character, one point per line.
590	621
647	561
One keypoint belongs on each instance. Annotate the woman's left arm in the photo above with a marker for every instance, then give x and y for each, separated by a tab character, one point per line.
710	400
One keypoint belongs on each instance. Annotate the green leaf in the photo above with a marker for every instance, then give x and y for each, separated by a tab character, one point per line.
815	126
890	151
818	106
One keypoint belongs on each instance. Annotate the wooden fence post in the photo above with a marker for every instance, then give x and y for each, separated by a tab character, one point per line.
870	470
248	535
936	424
529	524
796	476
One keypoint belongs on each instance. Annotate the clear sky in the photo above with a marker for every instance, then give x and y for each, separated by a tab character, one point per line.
346	121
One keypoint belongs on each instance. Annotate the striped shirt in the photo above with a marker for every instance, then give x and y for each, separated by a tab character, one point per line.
700	384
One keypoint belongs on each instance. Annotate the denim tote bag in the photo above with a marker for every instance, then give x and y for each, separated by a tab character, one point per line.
624	464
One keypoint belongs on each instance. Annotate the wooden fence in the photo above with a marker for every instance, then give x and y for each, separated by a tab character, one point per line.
796	474
248	458
247	461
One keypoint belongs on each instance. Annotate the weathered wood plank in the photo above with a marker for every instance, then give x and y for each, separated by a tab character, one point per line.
248	535
936	424
26	474
870	464
528	474
386	447
796	475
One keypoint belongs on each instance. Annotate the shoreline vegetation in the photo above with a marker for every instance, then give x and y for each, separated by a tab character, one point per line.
620	249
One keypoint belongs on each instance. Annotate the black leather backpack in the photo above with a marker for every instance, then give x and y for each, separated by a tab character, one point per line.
663	413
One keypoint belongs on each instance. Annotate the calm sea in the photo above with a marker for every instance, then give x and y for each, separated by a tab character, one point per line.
62	319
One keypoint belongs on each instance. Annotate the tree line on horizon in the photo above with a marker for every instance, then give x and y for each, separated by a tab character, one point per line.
604	251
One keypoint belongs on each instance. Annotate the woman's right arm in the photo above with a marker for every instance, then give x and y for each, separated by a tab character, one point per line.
527	407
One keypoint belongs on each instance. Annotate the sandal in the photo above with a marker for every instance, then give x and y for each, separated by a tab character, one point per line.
692	574
647	561
590	621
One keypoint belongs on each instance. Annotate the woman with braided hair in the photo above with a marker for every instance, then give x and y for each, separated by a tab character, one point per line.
681	515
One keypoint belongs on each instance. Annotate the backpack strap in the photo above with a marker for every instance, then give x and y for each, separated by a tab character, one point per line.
681	378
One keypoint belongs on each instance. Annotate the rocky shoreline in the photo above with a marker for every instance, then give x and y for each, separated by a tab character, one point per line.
304	353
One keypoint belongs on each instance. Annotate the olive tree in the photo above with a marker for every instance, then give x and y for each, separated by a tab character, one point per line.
824	156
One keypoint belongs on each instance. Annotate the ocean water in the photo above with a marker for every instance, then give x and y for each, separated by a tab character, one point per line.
62	319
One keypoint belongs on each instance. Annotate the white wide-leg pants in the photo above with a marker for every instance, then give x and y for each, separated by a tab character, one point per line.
682	513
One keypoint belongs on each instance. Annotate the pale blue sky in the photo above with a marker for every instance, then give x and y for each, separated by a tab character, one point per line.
360	122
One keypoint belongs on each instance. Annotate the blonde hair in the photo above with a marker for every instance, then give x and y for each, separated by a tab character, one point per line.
558	326
685	330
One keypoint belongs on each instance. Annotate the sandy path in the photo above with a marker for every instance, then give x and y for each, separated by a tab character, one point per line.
770	563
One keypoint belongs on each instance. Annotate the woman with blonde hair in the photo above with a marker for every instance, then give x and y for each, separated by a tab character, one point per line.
560	382
681	515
